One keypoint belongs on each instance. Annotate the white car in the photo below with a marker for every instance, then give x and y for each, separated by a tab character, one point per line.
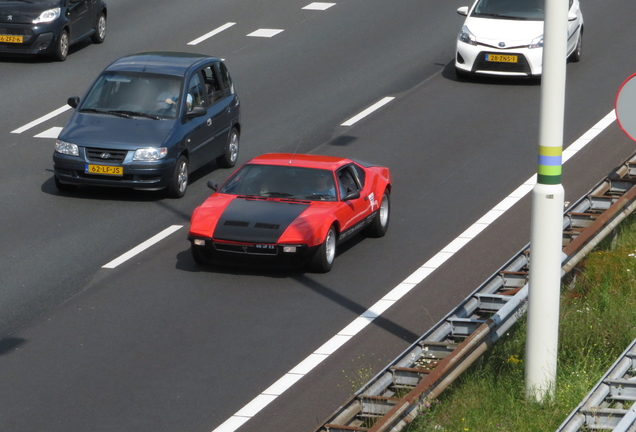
505	37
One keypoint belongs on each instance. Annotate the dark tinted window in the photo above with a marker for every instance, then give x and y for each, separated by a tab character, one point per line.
532	10
361	174
226	81
196	92
213	88
347	181
277	181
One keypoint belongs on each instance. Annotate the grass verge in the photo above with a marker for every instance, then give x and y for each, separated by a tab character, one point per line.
597	323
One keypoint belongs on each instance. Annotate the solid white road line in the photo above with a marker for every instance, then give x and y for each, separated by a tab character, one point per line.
329	347
212	33
267	33
142	247
42	119
368	111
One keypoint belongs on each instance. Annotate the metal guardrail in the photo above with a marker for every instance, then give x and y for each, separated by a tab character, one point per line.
610	404
393	398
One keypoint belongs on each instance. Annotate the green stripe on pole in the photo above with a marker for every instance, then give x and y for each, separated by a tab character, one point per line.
549	174
548	180
550	170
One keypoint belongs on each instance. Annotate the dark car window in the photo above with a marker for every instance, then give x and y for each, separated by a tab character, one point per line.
226	80
359	172
212	86
275	181
347	181
144	93
196	92
521	9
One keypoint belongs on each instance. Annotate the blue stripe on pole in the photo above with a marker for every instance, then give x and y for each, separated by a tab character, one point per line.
550	160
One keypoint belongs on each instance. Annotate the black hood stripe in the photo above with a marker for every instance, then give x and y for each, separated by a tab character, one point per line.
256	221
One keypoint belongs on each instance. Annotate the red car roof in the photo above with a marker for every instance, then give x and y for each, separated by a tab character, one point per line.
301	160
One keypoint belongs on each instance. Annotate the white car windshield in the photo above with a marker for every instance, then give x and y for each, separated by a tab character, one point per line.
531	10
135	94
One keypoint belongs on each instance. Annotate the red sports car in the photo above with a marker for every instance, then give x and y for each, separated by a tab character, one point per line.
287	210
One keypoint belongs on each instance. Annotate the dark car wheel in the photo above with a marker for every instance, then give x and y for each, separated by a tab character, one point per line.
61	49
576	54
381	220
326	253
229	158
179	182
63	186
100	30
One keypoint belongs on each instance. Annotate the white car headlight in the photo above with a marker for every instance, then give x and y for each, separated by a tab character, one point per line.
536	42
467	37
47	16
150	154
66	148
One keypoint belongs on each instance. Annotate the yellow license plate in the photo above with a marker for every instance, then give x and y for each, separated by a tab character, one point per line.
501	58
104	170
11	39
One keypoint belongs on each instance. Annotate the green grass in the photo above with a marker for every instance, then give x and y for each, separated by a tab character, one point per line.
597	323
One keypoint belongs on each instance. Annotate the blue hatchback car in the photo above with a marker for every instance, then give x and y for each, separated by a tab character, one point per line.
148	121
50	26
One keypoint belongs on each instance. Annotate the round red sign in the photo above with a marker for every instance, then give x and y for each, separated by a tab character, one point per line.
625	107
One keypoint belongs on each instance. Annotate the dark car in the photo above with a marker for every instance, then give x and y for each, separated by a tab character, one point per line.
148	121
288	210
49	26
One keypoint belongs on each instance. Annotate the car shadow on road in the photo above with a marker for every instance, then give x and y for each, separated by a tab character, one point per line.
43	58
185	262
450	74
9	344
345	302
121	194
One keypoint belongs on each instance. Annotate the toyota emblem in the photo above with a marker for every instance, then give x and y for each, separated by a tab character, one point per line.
105	155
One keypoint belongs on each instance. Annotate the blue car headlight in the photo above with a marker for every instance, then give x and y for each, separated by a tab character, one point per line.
66	148
150	154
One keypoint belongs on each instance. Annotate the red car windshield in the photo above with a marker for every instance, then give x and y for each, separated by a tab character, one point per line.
275	181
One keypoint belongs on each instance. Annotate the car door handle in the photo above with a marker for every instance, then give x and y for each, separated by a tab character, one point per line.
209	122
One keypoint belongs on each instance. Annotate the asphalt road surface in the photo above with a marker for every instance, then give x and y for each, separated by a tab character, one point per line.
159	344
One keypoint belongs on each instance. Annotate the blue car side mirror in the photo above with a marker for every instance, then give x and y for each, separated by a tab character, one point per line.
73	101
197	111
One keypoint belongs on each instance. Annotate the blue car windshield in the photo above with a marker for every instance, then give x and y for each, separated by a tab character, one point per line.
135	93
531	10
276	181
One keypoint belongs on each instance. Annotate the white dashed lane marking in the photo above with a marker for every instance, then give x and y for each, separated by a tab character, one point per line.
142	247
212	33
265	33
54	132
368	111
319	6
42	119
